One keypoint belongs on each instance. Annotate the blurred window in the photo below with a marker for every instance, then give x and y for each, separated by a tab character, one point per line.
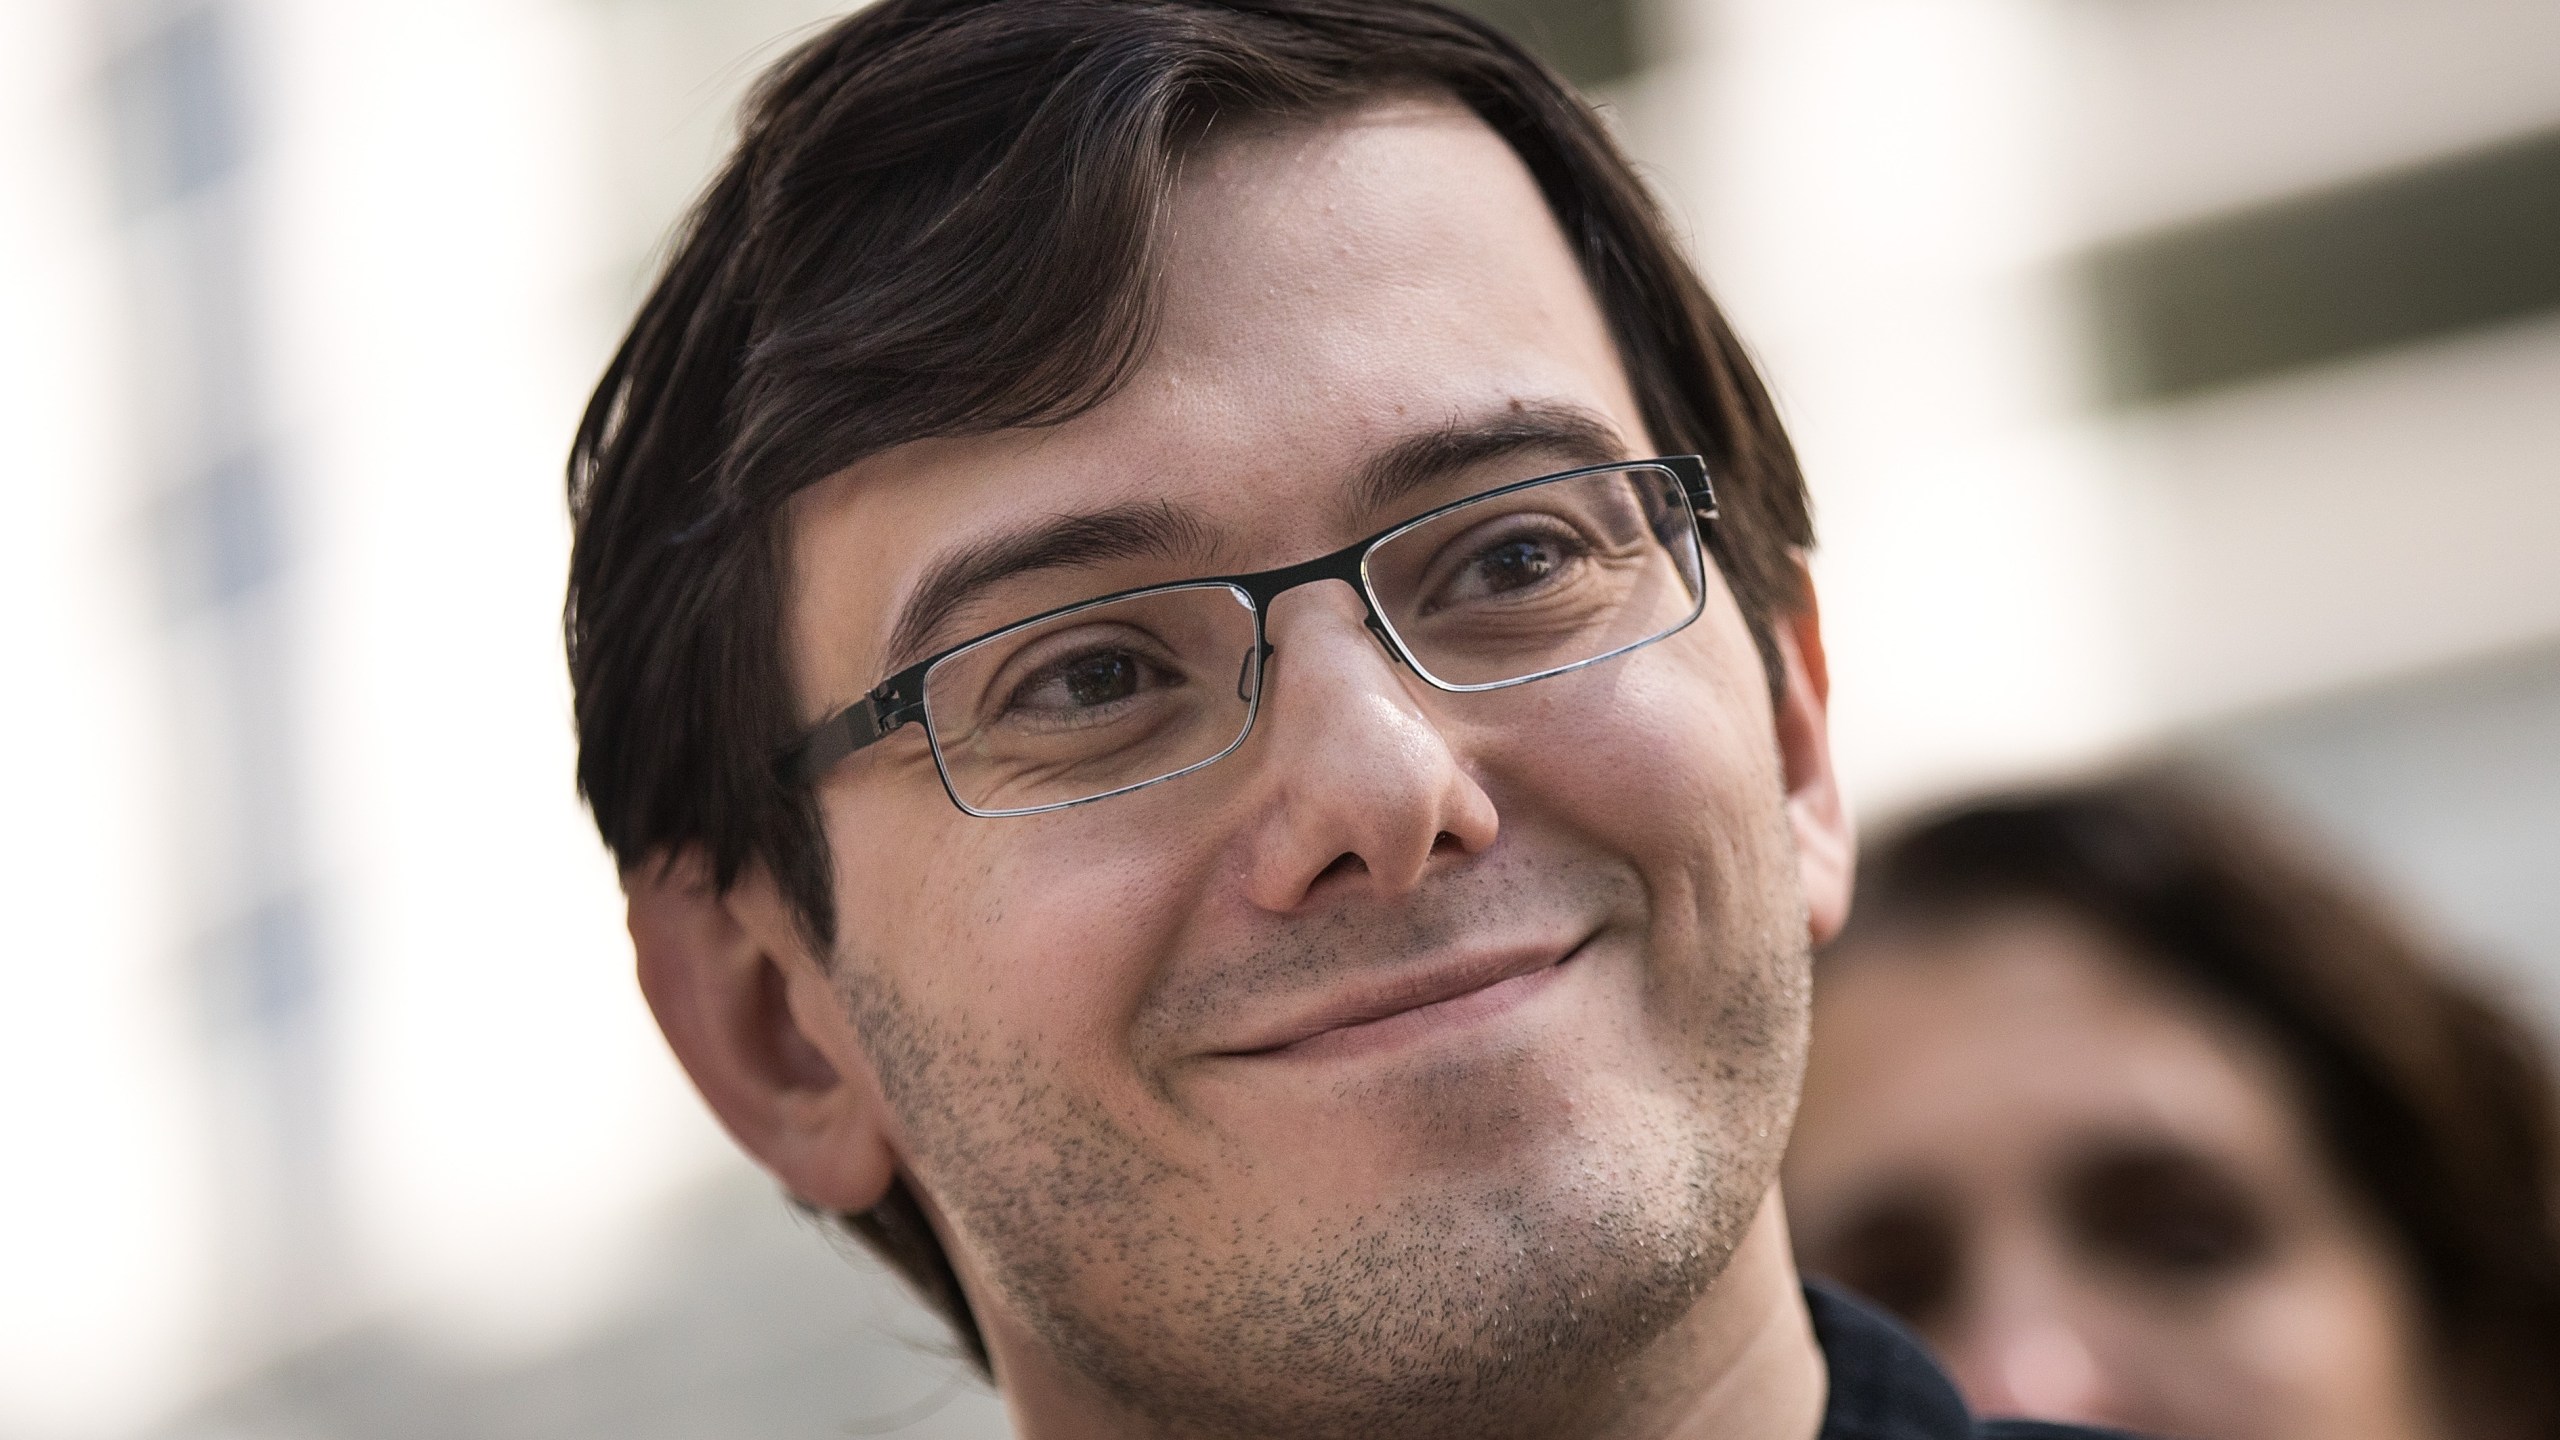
1592	41
2465	241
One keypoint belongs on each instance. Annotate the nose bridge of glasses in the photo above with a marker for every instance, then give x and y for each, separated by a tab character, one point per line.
1270	585
1343	565
1370	619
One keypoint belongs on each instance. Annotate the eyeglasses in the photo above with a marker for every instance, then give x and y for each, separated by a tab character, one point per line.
1101	698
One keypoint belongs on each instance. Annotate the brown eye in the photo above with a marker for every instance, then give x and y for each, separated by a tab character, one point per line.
1516	564
1101	679
2166	1214
1903	1252
1090	685
1514	557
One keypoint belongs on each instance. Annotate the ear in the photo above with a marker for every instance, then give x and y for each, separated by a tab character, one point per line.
751	1016
1826	841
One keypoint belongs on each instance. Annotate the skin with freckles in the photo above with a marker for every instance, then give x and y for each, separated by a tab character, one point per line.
2095	1195
1116	1049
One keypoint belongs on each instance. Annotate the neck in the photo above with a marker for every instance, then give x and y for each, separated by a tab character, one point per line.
1741	1362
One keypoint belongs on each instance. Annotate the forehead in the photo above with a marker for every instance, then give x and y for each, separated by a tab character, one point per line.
1404	232
1327	287
2021	1037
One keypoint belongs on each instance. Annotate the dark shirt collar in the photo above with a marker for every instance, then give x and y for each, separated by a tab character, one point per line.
1884	1386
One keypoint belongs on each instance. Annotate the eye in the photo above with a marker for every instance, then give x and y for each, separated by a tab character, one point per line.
1524	554
1087	686
1516	564
2167	1215
1904	1251
1100	679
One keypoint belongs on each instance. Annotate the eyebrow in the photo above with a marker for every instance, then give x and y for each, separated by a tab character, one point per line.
1569	432
1123	532
1158	528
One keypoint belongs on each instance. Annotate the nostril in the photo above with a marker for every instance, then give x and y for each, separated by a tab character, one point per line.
1345	863
1444	842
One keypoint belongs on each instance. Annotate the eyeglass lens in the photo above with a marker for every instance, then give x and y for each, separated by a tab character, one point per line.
1502	589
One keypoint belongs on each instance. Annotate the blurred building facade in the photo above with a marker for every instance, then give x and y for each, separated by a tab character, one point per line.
2171	375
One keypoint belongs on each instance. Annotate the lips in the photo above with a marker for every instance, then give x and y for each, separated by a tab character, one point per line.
1378	1013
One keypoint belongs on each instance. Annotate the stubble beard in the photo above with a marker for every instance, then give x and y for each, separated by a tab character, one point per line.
1500	1305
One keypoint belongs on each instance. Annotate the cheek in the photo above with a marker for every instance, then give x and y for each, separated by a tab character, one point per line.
1667	760
1034	935
2322	1345
1667	756
2329	1343
1684	719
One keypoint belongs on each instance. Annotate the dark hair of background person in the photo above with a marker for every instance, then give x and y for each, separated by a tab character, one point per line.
2433	1105
943	218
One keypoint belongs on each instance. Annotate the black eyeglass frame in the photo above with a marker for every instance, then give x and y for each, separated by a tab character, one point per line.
899	700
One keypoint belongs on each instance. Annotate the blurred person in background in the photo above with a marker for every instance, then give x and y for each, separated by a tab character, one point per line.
2143	1114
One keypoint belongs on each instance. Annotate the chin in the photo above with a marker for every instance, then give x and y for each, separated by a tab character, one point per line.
1477	1298
1468	1232
1480	1314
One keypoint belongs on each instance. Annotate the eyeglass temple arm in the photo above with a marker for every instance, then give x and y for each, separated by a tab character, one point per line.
1691	471
857	725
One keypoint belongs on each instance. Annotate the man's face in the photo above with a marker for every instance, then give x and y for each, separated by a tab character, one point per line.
1430	1045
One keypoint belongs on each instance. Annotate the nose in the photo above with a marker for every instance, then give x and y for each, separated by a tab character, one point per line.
1355	785
2031	1366
2028	1342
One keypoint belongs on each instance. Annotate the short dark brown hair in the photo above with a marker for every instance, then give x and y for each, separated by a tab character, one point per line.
2432	1104
941	219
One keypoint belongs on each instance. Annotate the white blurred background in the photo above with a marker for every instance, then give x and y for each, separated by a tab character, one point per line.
2172	375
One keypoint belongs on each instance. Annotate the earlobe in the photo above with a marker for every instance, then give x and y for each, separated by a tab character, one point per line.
750	1015
1817	813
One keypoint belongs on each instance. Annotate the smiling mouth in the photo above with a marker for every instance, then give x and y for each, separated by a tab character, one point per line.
1434	1000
